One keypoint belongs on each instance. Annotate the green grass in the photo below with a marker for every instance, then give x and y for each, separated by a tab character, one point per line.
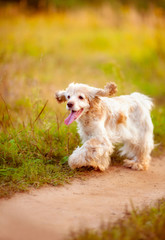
40	53
145	224
35	155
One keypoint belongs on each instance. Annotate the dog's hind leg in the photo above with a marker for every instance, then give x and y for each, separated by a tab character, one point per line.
139	156
137	164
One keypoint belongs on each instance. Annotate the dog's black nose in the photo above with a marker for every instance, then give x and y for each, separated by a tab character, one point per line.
70	104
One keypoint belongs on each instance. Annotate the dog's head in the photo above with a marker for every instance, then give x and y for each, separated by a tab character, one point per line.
80	96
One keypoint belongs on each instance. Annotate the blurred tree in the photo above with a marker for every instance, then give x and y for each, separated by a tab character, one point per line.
36	4
65	4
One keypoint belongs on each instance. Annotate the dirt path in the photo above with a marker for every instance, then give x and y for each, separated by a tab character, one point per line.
50	213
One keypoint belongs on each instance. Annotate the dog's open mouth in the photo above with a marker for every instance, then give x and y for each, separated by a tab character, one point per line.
73	116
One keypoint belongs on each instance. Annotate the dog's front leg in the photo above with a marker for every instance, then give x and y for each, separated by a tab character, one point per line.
78	158
95	152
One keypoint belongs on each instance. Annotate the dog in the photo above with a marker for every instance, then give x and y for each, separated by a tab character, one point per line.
104	122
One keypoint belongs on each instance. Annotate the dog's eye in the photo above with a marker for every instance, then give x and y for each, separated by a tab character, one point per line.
68	96
80	97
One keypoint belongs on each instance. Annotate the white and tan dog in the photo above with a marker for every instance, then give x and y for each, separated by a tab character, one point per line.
103	122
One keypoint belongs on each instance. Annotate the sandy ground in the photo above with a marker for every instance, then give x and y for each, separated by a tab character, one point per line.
51	213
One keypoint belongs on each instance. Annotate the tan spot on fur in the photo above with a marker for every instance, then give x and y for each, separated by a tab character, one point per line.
94	142
96	109
60	98
110	88
121	119
95	112
107	121
131	109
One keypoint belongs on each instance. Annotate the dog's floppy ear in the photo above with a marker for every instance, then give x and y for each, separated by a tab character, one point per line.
60	96
108	90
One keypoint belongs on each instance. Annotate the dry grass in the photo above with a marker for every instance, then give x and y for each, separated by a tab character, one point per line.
138	224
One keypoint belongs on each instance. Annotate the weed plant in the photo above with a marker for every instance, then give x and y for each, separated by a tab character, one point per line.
35	154
145	224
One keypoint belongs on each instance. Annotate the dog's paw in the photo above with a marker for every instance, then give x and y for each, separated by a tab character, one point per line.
99	167
134	165
76	161
72	163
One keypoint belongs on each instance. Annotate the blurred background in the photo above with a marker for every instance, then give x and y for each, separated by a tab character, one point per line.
45	45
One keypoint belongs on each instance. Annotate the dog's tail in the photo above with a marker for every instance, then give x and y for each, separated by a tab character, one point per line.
143	100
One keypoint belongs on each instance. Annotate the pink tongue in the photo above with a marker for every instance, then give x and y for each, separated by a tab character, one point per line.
70	118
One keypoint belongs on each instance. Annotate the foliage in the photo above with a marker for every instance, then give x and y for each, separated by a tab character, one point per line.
34	155
145	224
69	4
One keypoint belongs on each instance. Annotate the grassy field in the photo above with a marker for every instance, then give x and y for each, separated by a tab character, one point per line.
43	52
145	224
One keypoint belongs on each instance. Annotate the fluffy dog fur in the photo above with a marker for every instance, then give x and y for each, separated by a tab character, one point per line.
103	122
